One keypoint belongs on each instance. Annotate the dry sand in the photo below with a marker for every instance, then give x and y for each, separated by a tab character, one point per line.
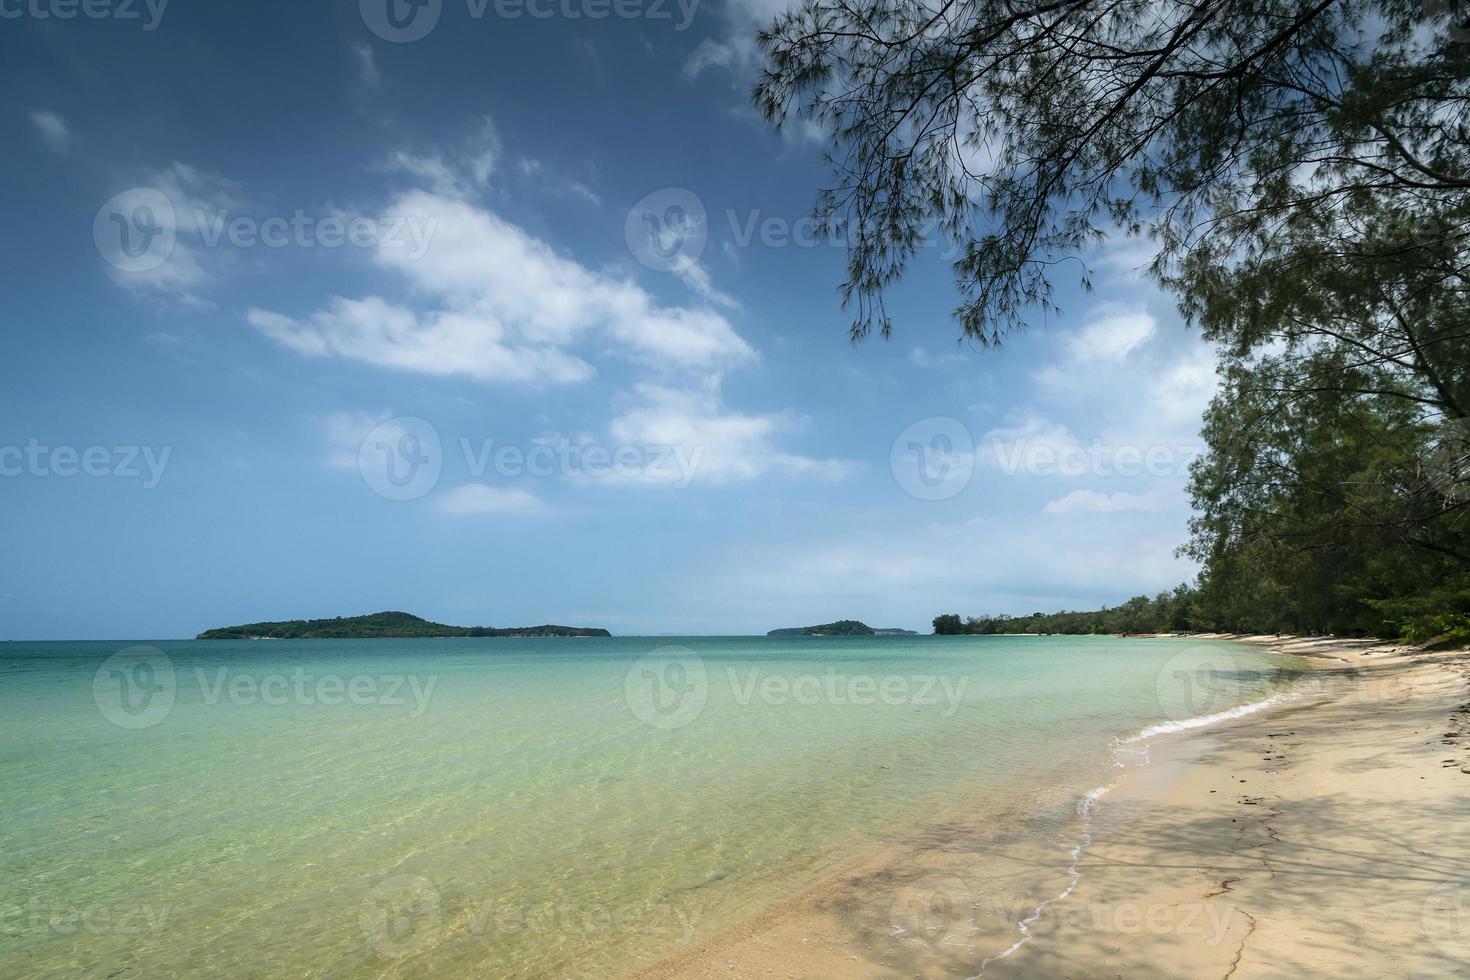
1326	837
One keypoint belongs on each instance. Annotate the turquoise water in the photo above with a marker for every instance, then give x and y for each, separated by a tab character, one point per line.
508	807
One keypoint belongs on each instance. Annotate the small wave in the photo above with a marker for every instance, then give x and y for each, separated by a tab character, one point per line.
1138	746
1204	721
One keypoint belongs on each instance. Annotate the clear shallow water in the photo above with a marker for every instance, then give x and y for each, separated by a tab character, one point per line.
519	807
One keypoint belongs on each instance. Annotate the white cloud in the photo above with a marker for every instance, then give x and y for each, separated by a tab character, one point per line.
1012	448
444	343
477	499
1122	380
1111	338
345	431
1127	258
722	446
1092	502
367	65
194	199
460	171
922	358
697	278
710	53
53	129
736	50
511	307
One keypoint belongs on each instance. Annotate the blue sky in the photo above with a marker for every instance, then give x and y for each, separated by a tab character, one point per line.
258	254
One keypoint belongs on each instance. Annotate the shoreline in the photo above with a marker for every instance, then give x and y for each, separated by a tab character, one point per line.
1322	833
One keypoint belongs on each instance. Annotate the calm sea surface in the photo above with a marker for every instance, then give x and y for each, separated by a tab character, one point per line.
503	807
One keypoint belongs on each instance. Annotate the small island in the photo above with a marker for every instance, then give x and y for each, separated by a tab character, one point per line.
843	627
379	626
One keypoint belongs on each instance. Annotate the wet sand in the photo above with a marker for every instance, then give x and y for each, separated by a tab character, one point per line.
1328	836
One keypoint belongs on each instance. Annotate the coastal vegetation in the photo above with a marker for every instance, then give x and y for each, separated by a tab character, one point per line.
383	625
1167	612
1302	170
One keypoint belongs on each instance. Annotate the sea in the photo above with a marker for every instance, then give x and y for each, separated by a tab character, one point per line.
578	807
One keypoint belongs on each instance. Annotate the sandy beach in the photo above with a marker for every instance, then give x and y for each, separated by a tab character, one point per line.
1325	836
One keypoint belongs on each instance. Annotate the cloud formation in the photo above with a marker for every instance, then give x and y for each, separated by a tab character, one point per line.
53	129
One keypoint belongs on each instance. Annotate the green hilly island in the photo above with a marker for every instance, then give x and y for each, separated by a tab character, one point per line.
379	626
843	627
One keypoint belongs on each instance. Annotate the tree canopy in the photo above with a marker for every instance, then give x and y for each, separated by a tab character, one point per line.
1303	168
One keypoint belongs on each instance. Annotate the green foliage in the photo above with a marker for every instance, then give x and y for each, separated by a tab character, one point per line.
1304	167
843	627
1026	133
948	625
383	625
1167	612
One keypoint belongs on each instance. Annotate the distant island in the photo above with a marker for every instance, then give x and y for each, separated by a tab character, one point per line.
843	627
379	626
